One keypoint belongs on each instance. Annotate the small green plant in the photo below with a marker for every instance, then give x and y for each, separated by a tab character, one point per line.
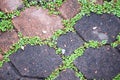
117	42
93	44
50	5
118	37
114	45
5	25
117	77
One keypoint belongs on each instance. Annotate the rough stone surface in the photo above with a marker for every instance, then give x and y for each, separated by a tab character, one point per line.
98	27
118	48
99	1
101	63
8	73
67	75
37	22
10	5
69	42
30	79
1	57
36	61
69	8
7	39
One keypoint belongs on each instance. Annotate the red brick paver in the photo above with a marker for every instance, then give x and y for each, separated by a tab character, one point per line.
37	22
1	57
10	5
99	1
69	8
7	39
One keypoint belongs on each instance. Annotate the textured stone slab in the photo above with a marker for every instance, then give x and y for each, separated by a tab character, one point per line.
99	1
30	79
8	73
36	61
69	8
69	42
37	22
101	63
10	5
1	56
7	39
118	48
67	75
98	27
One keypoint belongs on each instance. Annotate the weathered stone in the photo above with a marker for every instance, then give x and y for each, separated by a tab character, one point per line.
7	39
37	22
69	8
1	57
67	75
8	73
118	48
30	79
69	42
36	61
99	1
99	64
10	5
98	27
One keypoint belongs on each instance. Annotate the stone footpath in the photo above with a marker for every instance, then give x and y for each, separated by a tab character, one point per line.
38	62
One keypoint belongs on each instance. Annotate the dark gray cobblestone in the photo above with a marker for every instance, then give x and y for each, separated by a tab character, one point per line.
36	61
98	27
101	63
118	48
30	79
7	72
67	75
69	42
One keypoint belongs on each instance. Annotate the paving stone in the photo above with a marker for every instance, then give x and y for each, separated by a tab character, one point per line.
98	27
8	73
118	48
7	39
67	75
99	1
37	22
30	79
1	57
69	42
36	61
10	5
101	63
69	8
